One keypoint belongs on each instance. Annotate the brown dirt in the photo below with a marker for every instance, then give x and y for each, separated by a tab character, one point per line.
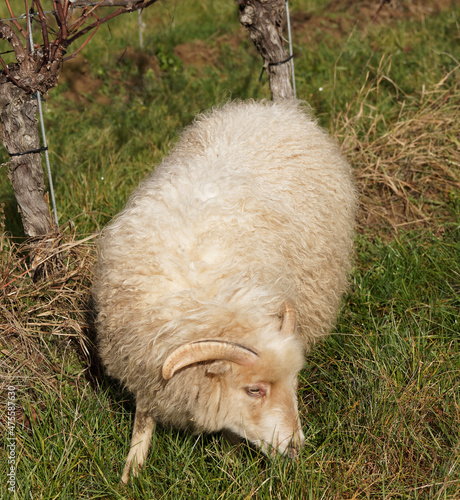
339	17
141	59
76	73
197	53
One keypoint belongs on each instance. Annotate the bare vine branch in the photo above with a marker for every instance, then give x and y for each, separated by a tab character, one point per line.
37	67
83	44
128	4
7	33
13	17
44	28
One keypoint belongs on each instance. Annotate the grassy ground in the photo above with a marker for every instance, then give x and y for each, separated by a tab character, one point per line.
380	400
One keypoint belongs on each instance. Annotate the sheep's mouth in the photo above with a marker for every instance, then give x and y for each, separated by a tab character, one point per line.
290	451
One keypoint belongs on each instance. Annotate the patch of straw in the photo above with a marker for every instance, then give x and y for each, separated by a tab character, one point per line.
42	322
408	175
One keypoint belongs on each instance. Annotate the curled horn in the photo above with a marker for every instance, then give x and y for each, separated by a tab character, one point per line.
288	326
207	350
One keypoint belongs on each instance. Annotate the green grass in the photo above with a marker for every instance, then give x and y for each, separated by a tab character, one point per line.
380	400
379	403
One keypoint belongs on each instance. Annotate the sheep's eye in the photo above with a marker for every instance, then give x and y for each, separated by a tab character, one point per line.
254	392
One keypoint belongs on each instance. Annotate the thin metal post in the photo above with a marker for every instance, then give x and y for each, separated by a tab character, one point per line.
291	54
42	126
141	29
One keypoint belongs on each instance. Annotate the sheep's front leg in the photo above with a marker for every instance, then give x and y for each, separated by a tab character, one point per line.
140	443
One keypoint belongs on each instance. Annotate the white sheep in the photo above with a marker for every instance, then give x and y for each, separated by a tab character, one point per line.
226	265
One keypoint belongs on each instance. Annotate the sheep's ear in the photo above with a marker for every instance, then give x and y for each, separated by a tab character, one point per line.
288	324
218	368
207	350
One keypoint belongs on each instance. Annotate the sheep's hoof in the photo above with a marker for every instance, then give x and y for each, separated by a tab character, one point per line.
128	471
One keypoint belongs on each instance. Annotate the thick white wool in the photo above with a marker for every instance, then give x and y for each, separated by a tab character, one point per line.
254	208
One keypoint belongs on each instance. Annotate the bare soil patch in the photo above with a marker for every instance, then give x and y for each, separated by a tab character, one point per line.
76	73
197	53
339	17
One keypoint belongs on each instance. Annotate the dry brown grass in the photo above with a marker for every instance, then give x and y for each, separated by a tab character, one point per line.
41	321
409	174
